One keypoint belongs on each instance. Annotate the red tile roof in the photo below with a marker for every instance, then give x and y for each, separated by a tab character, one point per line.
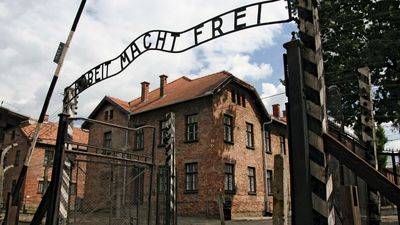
180	90
48	133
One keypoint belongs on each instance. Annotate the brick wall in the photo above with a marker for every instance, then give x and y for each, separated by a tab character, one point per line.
36	170
210	152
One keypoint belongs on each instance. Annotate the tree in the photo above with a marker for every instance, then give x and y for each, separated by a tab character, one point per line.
381	140
362	33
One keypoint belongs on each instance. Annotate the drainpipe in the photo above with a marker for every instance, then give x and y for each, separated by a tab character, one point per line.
265	163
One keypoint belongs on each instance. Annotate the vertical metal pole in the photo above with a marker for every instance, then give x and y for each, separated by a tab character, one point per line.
21	178
393	155
396	181
56	176
151	176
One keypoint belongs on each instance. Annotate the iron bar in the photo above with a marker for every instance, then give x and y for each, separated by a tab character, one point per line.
22	175
56	175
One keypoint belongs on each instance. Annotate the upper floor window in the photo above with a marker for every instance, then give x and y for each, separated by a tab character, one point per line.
229	182
109	114
40	189
243	101
238	98
191	177
140	139
252	179
267	138
107	139
73	189
163	132
191	128
282	144
228	128
249	135
48	157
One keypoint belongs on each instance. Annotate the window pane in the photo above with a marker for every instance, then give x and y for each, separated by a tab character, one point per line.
252	180
140	139
228	181
228	136
282	143
191	129
267	141
191	176
249	135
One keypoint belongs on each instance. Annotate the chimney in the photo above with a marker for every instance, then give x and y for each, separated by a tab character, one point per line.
163	82
46	118
276	110
145	90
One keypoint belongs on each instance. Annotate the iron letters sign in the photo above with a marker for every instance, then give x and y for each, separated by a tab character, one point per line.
252	15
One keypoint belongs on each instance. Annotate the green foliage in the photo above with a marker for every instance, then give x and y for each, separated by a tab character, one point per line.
362	33
381	140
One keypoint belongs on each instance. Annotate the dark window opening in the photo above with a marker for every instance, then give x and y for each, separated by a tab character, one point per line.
191	128
191	177
228	128
229	182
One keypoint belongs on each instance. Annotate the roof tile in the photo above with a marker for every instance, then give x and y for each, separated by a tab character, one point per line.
182	89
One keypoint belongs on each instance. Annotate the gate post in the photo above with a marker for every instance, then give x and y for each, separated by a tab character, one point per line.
307	122
368	136
171	163
56	176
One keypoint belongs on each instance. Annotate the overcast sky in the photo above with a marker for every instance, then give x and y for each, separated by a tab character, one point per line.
31	30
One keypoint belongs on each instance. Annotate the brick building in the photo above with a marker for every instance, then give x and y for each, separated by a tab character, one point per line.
39	171
225	140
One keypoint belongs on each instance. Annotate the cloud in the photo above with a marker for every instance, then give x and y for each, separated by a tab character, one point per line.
273	94
32	32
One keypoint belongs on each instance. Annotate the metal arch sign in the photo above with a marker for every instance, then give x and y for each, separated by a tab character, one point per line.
241	18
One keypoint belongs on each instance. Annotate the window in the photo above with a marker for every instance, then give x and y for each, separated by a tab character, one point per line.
191	177
109	114
17	157
238	99
73	189
228	129
13	135
48	157
107	139
138	184
140	139
40	189
191	128
163	132
163	179
282	144
252	180
233	97
229	182
267	138
269	182
249	135
243	101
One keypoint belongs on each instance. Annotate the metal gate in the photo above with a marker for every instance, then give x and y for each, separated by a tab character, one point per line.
111	181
